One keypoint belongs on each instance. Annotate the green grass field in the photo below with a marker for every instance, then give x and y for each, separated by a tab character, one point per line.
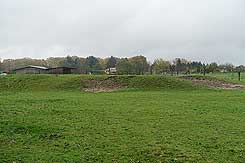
157	119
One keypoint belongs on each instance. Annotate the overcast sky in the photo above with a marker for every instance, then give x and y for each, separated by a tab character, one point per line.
206	30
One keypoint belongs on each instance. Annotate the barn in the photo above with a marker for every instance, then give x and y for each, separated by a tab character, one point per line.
62	70
44	70
31	70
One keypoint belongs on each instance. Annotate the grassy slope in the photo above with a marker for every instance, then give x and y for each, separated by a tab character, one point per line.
171	125
39	82
76	82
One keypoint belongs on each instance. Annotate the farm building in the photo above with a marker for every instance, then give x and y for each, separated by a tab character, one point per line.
61	70
31	70
111	71
44	70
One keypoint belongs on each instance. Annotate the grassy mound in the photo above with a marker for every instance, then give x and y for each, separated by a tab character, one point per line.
126	126
39	82
80	82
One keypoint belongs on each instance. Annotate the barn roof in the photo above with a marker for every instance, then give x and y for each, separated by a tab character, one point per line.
43	68
31	66
62	67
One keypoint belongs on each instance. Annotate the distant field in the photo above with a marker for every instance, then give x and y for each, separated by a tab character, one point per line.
157	119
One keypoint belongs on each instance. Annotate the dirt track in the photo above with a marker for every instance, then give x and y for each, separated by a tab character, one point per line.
213	83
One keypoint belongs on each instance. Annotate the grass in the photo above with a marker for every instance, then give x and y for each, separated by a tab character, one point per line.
231	77
40	82
77	82
168	124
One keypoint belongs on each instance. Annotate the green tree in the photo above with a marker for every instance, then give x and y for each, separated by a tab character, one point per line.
55	61
213	67
139	65
181	65
112	61
124	67
74	62
68	62
227	67
240	68
160	66
195	67
93	64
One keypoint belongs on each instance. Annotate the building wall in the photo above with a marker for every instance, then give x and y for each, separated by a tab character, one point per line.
55	71
60	70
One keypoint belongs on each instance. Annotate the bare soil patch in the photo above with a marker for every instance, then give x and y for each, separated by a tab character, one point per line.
213	83
102	85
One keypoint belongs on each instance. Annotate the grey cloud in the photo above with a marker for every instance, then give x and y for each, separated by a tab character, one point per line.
195	29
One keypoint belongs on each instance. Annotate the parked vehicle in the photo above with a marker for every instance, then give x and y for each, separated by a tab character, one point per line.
4	73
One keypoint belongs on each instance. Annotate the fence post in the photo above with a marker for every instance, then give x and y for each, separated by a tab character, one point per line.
239	75
204	70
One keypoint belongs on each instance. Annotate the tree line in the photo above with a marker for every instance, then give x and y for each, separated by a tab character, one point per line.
138	65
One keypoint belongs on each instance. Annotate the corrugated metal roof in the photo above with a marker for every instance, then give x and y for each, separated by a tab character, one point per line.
39	67
62	67
31	66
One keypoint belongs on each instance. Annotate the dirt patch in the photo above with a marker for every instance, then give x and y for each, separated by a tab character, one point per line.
102	85
213	83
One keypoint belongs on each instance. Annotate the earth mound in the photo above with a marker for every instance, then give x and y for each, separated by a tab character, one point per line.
102	85
213	83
